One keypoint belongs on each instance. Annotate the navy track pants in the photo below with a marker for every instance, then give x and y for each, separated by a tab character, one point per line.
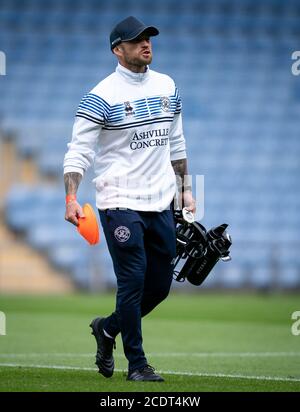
142	246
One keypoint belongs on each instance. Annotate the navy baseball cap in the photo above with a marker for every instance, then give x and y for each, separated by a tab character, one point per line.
129	29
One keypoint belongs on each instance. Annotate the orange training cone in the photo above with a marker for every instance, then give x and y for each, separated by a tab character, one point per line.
88	225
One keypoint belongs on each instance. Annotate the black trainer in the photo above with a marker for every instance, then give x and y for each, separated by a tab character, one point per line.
105	345
144	374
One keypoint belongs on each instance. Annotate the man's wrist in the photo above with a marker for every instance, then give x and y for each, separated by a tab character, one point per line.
70	198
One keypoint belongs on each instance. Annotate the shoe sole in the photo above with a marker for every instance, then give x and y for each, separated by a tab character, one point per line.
146	380
107	373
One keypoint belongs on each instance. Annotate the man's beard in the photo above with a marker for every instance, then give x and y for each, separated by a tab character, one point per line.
139	61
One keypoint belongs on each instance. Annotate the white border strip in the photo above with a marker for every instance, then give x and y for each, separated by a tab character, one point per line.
200	374
161	354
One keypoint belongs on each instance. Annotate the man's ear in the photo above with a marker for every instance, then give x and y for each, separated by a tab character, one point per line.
117	51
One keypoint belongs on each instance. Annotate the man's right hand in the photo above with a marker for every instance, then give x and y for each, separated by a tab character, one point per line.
73	212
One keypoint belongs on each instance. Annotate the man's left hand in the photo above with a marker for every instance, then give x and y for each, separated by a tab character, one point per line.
186	200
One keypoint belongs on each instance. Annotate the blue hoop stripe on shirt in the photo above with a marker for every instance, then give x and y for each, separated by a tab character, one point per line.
141	123
96	107
88	117
92	104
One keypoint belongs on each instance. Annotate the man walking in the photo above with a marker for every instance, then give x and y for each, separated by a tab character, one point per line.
130	127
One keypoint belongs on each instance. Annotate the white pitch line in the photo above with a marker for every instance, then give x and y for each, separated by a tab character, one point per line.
200	374
162	354
62	367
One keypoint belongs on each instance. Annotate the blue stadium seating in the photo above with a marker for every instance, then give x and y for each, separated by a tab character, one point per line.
231	60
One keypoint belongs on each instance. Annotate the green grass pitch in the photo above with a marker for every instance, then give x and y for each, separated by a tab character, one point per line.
198	342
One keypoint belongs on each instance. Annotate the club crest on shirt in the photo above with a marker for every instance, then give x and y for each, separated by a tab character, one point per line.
128	109
165	103
122	233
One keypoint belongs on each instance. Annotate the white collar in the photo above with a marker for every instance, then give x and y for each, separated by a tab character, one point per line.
132	77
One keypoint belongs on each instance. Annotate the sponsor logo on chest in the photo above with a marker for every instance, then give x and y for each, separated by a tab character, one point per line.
149	138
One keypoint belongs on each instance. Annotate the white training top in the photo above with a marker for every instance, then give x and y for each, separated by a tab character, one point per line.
130	126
